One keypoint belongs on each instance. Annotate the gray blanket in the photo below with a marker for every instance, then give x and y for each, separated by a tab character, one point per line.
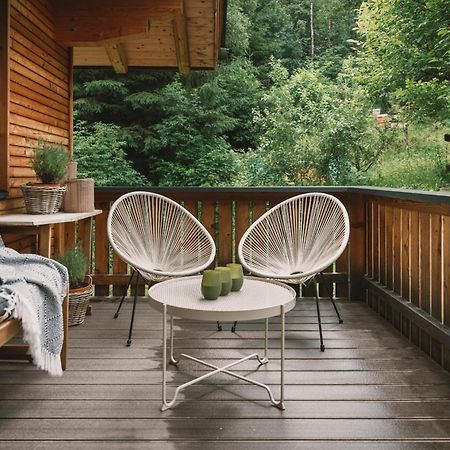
32	289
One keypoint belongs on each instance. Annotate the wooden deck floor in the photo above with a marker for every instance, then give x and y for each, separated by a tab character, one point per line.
370	389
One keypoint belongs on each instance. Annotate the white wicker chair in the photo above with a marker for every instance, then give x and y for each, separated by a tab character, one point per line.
158	238
296	240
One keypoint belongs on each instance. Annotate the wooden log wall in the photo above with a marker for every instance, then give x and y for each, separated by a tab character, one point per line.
226	214
39	97
408	269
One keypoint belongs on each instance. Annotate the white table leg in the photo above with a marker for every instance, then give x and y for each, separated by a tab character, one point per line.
265	359
172	360
280	404
164	405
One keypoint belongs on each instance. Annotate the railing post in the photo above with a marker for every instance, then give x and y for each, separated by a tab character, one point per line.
357	245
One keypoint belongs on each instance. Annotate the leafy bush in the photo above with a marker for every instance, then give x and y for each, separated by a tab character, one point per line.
50	162
76	263
99	152
419	163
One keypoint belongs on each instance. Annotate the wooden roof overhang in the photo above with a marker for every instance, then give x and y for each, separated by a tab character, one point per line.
183	34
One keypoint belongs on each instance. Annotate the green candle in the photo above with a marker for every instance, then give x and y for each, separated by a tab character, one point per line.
237	276
211	284
225	277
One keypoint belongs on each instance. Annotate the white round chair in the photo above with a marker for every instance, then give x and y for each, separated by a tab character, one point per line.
296	240
158	238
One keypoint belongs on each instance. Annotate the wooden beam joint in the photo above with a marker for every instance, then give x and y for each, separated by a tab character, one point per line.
181	42
117	56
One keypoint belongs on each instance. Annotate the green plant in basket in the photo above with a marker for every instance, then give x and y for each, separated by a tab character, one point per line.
77	265
50	162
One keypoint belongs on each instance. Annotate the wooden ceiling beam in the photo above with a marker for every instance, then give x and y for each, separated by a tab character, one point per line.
118	58
181	42
86	21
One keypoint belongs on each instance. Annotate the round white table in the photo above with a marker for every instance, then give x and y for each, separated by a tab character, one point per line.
258	299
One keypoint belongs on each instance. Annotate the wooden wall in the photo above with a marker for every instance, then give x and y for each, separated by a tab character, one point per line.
39	96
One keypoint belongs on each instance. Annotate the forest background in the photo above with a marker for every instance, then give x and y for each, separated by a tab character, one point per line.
292	104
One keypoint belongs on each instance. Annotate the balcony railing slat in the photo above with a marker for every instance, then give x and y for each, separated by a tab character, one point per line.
382	245
446	271
397	242
225	250
389	246
414	257
102	248
425	261
242	220
119	267
436	267
405	255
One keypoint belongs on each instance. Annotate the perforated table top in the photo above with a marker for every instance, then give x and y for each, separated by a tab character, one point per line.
257	299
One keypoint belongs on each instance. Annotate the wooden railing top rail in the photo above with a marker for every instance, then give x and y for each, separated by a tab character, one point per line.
265	192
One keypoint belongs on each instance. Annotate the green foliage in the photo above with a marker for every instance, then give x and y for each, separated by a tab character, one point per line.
405	55
418	162
99	153
50	162
76	263
314	131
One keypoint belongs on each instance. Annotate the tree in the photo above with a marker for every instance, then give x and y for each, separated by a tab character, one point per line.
405	55
99	152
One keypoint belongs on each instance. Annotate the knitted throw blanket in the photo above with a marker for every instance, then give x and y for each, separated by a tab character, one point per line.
33	288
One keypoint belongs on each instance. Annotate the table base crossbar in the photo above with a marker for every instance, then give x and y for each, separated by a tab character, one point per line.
278	404
264	360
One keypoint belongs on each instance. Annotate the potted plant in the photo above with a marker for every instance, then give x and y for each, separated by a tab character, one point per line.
50	163
80	285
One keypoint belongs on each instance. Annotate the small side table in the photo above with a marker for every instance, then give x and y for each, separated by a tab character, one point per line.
41	224
258	299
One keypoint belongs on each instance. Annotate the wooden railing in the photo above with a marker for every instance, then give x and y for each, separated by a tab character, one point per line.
407	265
226	213
397	260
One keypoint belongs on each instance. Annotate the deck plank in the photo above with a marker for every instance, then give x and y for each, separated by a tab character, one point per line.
369	390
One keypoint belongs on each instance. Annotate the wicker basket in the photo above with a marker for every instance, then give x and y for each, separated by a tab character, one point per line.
78	303
43	199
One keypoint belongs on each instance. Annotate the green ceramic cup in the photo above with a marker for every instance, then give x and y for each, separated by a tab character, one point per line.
237	276
211	284
225	277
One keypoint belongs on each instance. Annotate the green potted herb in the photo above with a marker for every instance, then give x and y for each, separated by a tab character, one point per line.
80	285
50	163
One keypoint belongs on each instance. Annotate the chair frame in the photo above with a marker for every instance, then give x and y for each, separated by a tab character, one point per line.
148	273
315	272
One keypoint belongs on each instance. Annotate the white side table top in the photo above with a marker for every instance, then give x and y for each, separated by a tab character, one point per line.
258	299
32	220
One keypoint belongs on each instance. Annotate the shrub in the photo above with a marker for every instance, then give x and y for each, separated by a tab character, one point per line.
50	162
76	263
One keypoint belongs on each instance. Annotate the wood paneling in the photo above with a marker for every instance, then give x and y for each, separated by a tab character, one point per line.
4	94
39	92
195	36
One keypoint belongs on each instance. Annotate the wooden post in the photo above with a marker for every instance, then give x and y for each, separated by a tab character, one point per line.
357	246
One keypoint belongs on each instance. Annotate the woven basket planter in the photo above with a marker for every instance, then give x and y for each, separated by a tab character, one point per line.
44	199
78	303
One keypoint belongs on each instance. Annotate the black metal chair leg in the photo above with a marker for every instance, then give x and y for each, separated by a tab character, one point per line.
219	327
233	328
116	315
337	312
322	346
330	291
134	309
